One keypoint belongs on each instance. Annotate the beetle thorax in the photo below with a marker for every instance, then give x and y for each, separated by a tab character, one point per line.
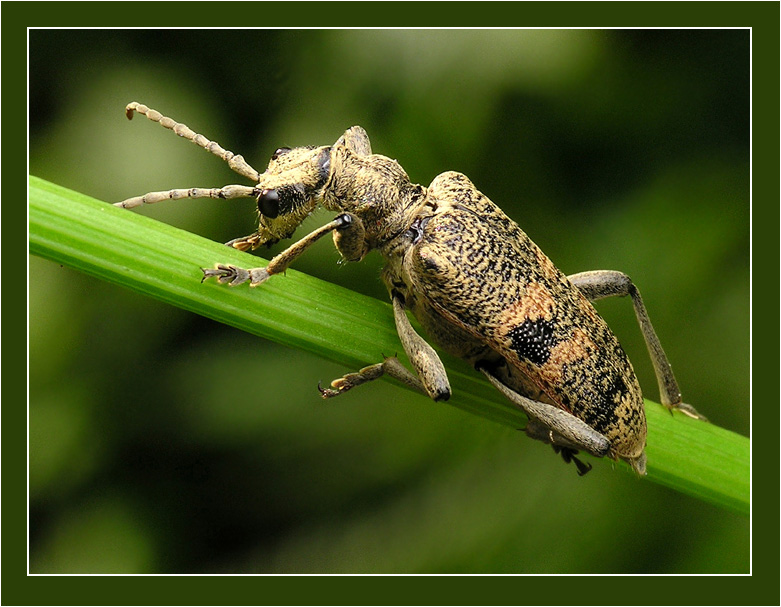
375	189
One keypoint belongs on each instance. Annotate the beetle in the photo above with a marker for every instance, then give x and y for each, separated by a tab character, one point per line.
476	283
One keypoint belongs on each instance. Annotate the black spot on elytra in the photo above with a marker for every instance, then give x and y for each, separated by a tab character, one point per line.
532	340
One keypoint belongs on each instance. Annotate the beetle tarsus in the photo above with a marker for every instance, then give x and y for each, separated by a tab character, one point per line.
233	275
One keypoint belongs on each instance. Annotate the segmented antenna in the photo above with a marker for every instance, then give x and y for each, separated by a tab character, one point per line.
235	161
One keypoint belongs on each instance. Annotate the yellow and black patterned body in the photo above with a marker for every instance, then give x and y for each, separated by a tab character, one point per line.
478	285
485	292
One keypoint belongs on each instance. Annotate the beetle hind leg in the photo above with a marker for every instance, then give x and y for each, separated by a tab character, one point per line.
568	455
567	449
549	424
599	284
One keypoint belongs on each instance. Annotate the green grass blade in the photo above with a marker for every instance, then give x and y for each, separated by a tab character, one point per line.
125	248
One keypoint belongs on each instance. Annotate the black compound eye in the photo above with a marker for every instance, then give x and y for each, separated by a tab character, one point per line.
268	203
279	152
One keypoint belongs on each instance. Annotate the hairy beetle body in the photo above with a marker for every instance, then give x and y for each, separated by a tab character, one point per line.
477	284
472	267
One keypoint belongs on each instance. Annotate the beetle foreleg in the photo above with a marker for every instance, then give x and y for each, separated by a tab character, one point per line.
236	276
599	284
350	238
251	242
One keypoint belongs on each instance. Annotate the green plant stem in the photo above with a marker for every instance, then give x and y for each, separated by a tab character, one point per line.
693	457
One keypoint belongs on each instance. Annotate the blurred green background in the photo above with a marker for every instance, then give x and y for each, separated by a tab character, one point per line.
624	150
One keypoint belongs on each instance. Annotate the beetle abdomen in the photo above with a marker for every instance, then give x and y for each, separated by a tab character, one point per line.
513	299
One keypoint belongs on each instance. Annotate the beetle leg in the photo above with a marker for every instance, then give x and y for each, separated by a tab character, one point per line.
568	455
606	283
553	425
350	239
235	276
390	366
251	242
431	378
422	356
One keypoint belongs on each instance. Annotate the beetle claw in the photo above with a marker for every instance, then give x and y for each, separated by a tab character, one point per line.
568	455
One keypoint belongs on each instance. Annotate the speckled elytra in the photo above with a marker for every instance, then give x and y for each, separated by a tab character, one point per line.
477	284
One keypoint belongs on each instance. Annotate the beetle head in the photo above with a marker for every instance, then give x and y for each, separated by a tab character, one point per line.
290	189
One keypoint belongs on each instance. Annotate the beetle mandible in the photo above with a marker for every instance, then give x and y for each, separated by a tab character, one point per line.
477	284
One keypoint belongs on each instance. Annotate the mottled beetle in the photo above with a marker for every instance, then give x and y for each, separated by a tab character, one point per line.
477	284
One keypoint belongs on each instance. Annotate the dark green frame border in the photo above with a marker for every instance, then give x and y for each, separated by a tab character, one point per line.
762	588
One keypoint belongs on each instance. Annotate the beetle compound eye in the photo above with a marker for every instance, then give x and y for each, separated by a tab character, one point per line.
268	203
279	152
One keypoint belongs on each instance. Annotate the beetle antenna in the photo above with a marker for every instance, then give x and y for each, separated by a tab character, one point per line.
235	161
